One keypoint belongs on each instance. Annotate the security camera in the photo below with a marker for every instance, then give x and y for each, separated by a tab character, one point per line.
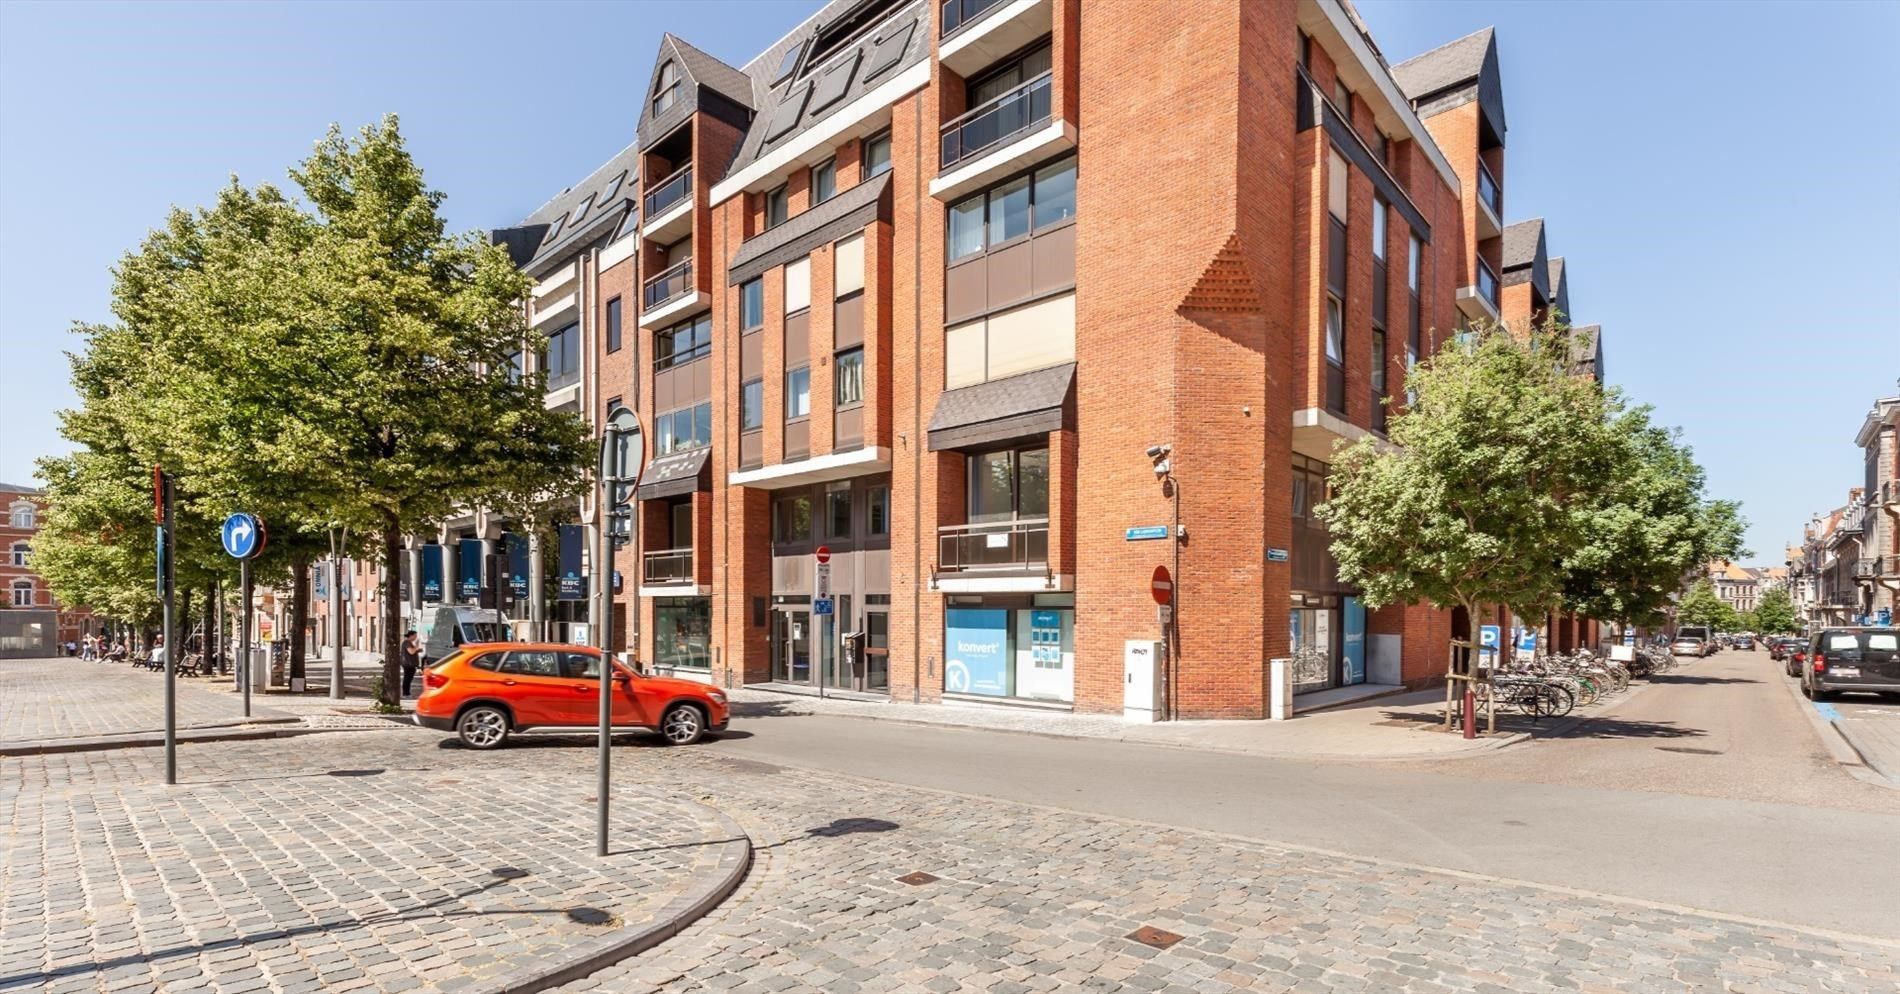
1162	467
1157	451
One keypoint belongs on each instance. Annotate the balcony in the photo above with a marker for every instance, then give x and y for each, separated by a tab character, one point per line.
978	33
998	137
994	555
666	568
1843	599
1490	204
1480	301
671	294
668	208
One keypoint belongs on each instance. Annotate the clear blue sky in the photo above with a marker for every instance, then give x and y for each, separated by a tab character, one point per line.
1720	177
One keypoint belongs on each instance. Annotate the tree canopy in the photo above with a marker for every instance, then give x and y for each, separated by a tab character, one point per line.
1774	612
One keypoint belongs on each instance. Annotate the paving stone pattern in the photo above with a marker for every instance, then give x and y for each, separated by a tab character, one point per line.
358	881
1035	899
72	698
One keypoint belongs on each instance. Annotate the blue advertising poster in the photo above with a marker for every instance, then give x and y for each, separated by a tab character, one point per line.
468	584
571	588
1045	638
432	573
1354	650
517	563
976	651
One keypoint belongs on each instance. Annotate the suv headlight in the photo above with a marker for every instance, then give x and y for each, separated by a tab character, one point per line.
717	696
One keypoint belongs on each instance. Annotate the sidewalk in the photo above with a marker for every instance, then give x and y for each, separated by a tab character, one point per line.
66	704
1403	726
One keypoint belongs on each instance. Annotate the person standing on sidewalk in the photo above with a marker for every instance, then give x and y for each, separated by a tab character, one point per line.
411	659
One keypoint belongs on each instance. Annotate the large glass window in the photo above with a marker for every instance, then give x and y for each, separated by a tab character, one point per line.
849	378
685	428
613	325
1055	193
1011	483
751	304
791	519
797	393
751	405
682	632
1008	211
683	343
562	359
824	181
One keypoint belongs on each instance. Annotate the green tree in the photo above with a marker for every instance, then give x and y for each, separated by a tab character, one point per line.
1487	484
1775	612
1700	606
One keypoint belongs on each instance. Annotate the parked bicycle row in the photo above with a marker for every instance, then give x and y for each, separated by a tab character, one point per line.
1554	685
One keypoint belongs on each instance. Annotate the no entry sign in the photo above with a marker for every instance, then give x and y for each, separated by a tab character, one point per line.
1163	586
822	554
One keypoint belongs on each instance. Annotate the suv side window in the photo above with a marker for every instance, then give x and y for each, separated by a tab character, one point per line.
489	661
534	662
580	666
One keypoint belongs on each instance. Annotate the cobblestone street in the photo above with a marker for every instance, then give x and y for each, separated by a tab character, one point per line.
305	879
70	698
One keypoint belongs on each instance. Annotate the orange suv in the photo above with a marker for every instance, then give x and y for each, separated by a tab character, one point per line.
486	691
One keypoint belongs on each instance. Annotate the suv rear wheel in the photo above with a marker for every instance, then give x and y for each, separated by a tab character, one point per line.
483	726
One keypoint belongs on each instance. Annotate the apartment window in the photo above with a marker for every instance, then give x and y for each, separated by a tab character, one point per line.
685	428
613	325
838	511
562	358
751	304
877	154
1378	362
1384	147
20	553
515	366
797	393
877	511
1010	210
1337	177
23	593
1342	97
849	378
1306	51
848	266
777	203
1379	212
798	285
1412	264
1008	484
1335	331
791	519
682	343
751	405
1309	486
666	87
824	181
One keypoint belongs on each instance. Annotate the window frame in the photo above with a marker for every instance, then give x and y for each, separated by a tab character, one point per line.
23	587
755	285
829	170
20	554
1032	179
615	324
671	357
782	534
755	408
871	167
1015	454
803	372
666	85
778	206
855	356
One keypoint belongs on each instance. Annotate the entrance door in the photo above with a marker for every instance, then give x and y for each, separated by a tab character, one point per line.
791	653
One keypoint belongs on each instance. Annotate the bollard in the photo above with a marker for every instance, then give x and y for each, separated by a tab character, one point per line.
1471	711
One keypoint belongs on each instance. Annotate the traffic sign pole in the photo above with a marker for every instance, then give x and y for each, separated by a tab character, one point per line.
166	574
622	461
244	634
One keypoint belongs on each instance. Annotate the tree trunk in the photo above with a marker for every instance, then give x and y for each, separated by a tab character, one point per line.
214	627
299	613
392	613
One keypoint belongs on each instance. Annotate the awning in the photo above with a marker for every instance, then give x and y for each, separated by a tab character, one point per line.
1032	403
795	239
677	473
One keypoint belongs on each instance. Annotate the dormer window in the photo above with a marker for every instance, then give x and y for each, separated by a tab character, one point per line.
666	88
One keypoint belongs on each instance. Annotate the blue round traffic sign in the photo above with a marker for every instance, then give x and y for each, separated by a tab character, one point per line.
243	536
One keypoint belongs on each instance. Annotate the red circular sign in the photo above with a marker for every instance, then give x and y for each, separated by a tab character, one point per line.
823	554
1163	586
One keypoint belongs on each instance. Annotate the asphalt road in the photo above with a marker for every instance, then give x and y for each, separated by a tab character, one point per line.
1757	823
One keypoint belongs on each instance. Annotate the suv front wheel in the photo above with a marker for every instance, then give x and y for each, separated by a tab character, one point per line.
682	724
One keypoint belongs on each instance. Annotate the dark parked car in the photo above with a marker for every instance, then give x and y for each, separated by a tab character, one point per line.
1744	642
1851	659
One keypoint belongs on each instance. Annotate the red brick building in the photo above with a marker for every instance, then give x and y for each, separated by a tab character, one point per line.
1005	304
34	623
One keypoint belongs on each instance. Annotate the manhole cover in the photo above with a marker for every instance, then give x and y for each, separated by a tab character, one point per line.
1687	750
917	879
1148	935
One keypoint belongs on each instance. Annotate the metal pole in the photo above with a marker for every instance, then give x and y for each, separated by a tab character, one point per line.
336	621
244	633
603	579
167	548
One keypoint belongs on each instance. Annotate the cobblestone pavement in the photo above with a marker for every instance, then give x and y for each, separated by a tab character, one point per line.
1038	899
386	875
71	698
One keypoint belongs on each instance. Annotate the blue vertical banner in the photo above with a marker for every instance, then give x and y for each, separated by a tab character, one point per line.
517	563
468	580
432	573
572	538
320	580
976	651
1354	650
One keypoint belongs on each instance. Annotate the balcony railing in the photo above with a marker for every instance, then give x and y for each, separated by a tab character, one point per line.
667	285
668	191
957	13
664	566
995	121
1020	545
1843	598
1488	190
1487	283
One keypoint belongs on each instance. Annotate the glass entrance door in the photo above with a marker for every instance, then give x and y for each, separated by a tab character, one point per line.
791	649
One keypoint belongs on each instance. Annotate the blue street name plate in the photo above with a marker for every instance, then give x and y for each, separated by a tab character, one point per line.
1277	555
1147	532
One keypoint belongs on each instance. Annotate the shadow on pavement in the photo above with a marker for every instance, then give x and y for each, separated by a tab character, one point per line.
1686	680
1619	728
768	709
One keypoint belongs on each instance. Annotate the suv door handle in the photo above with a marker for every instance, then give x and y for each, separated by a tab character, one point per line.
507	683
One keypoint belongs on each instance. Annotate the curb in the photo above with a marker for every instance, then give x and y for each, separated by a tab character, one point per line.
596	954
144	740
1840	748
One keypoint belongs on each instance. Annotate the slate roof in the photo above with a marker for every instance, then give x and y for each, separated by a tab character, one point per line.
796	237
906	23
1020	404
706	83
709	71
1523	243
14	488
1559	289
577	215
1586	350
1446	66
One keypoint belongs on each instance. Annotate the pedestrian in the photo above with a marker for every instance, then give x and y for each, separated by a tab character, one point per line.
158	652
72	648
411	660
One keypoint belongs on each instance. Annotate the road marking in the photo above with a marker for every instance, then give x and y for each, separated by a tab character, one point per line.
1827	711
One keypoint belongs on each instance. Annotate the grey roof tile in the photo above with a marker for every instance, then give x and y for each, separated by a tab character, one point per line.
1523	242
709	71
798	235
1446	66
608	193
1011	396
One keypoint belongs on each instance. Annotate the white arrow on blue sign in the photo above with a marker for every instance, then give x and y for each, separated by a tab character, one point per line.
243	536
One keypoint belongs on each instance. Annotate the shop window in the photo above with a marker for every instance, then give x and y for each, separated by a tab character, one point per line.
682	633
848	376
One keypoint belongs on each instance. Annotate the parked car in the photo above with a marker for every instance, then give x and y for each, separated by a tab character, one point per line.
1744	642
486	692
1794	657
1781	648
1688	647
1851	659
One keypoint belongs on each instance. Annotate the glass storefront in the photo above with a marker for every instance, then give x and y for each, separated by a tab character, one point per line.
1021	647
1328	639
682	633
